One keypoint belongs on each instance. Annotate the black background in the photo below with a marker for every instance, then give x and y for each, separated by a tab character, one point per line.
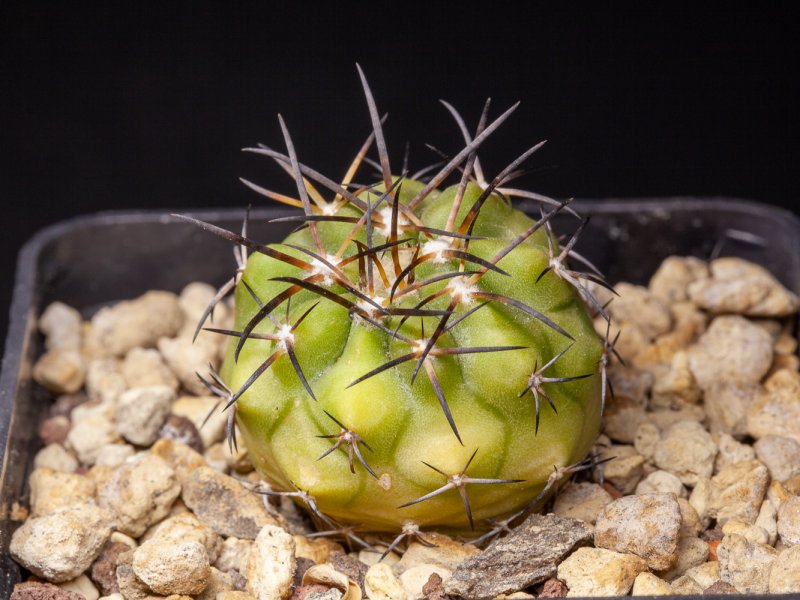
147	106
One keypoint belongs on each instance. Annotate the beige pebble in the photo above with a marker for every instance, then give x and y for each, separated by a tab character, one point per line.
380	583
647	584
55	490
56	457
172	566
584	501
600	572
104	380
144	367
271	564
61	326
81	585
91	431
736	491
784	576
687	451
414	578
197	409
142	411
745	564
60	370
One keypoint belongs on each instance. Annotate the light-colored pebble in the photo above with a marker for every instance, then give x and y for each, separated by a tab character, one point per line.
731	349
380	583
705	574
674	275
742	287
584	501
104	380
60	370
780	454
215	457
686	586
646	439
113	455
691	525
413	578
144	367
60	546
626	469
600	572
665	418
749	531
271	564
446	553
81	585
662	482
784	576
736	491
646	525
727	404
622	419
185	526
638	305
768	521
647	584
56	457
317	549
778	411
218	583
141	322
186	359
731	452
92	431
61	326
197	409
140	493
687	451
745	564
225	504
142	411
789	521
233	555
55	490
172	566
677	387
692	552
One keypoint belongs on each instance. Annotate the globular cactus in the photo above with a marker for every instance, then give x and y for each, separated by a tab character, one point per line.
411	357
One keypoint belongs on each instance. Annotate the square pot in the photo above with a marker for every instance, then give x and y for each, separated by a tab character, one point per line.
92	261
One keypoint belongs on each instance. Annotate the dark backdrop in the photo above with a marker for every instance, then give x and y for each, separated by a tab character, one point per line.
148	106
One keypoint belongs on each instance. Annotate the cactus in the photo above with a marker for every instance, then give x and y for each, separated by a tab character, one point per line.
410	356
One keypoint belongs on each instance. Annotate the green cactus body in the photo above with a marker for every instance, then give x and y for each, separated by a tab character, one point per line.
408	443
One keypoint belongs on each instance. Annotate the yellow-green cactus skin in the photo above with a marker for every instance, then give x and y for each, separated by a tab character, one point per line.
419	355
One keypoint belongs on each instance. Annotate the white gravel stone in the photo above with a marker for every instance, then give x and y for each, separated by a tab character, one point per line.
140	493
665	418
446	553
218	583
784	576
61	326
741	287
380	583
271	564
736	491
113	455
60	370
646	439
638	305
691	525
56	457
768	521
674	275
662	482
687	451
778	411
141	322
751	532
677	387
172	566
81	585
104	380
727	404
61	545
233	555
582	501
626	469
745	564
731	349
186	526
780	454
647	584
55	490
197	409
186	359
686	586
789	521
731	452
646	525
142	411
144	367
417	576
692	552
92	431
706	574
600	572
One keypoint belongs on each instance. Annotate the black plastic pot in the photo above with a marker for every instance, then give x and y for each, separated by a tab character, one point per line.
91	261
